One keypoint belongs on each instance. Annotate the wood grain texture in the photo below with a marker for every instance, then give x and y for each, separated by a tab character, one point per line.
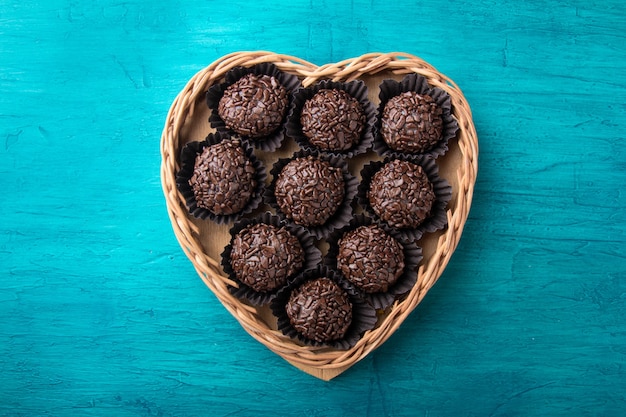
102	314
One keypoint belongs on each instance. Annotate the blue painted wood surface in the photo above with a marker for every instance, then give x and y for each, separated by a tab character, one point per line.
102	314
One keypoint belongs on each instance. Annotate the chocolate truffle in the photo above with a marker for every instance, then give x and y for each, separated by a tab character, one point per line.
332	120
223	179
309	190
264	257
370	258
254	106
411	122
401	194
320	310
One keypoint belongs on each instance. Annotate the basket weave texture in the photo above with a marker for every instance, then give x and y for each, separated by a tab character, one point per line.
323	363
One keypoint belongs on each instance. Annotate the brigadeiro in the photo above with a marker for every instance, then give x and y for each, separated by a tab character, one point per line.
220	178
264	253
332	117
413	118
253	103
375	260
408	196
314	191
320	308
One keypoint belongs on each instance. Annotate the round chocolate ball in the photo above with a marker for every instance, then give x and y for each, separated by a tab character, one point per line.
332	120
411	122
401	194
320	310
309	190
370	258
223	179
254	106
264	256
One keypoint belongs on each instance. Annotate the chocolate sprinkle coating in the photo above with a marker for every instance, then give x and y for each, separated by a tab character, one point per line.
370	258
332	120
223	178
411	122
320	310
401	194
254	106
264	256
309	190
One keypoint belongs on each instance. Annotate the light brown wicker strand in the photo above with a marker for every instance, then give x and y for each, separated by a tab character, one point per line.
208	269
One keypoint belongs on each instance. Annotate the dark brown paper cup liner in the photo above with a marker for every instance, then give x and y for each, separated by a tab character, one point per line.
443	193
363	315
357	90
268	143
187	158
342	215
417	83
406	281
312	257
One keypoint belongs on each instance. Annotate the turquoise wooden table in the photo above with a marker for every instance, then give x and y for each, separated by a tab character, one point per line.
101	313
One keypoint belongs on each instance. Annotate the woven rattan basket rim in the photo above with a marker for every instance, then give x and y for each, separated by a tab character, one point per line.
209	269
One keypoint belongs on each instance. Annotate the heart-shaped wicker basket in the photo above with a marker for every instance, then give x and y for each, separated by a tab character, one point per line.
203	241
